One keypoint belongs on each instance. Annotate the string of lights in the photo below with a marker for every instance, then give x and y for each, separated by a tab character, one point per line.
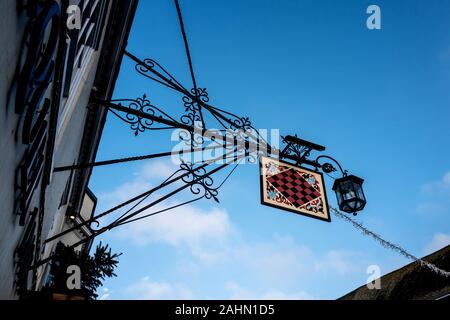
389	245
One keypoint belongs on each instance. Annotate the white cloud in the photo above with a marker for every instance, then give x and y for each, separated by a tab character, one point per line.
275	261
239	293
340	261
124	192
149	175
281	259
157	170
437	197
105	295
440	186
439	241
186	225
278	266
431	208
446	179
145	289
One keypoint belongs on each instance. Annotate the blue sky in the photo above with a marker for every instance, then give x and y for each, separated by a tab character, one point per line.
378	99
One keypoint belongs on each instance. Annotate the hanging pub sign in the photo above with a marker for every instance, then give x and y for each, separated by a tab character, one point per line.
293	188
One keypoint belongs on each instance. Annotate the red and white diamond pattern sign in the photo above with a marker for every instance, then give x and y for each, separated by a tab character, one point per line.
293	188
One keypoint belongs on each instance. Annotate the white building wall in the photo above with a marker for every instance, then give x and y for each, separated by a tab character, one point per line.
67	145
11	31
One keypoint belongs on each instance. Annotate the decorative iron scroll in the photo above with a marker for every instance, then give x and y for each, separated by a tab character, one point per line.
192	107
295	149
151	69
137	123
196	101
327	167
200	181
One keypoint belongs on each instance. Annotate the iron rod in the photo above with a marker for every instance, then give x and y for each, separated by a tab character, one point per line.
130	159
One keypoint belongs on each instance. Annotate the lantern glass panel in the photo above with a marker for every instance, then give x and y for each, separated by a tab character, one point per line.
337	190
347	190
339	197
360	192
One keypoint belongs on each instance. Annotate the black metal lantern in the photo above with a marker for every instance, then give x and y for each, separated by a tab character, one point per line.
350	194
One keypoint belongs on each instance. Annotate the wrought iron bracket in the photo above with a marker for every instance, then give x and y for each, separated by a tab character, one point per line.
299	151
327	167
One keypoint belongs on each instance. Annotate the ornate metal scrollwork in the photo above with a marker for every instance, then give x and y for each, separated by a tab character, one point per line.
229	120
242	123
149	68
327	167
200	181
139	124
298	150
191	139
193	108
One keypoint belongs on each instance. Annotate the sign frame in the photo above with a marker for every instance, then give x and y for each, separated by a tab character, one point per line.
262	189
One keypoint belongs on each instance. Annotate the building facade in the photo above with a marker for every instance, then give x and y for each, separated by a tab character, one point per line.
57	55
